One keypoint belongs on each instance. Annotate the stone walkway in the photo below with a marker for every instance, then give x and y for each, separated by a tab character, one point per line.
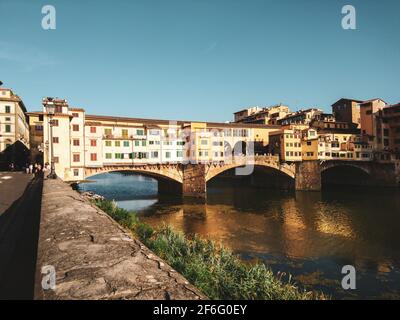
95	258
20	199
12	186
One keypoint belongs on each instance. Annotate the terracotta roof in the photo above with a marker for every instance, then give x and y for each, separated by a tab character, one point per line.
92	123
165	122
346	99
371	100
76	109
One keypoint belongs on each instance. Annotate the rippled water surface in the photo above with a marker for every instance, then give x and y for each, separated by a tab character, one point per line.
310	235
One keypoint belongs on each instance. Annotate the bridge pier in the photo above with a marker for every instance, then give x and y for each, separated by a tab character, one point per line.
194	181
383	174
308	176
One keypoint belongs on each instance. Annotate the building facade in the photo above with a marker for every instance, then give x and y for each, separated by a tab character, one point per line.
264	115
388	133
347	110
78	140
13	121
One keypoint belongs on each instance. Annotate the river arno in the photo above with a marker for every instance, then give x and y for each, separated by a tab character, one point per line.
310	235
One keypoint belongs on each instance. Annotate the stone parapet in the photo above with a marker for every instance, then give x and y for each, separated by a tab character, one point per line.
95	258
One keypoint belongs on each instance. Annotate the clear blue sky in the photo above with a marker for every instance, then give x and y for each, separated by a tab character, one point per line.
199	59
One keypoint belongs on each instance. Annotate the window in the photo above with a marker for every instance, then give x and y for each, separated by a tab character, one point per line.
168	154
154	132
93	157
182	143
179	154
8	119
8	128
108	143
75	142
144	143
154	154
8	109
204	142
38	127
92	129
142	155
137	143
126	143
119	156
117	143
309	143
140	132
124	132
54	122
75	127
76	157
55	140
76	172
107	132
108	156
93	143
386	142
75	115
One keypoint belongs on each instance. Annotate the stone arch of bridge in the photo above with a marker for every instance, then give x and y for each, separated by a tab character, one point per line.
159	173
333	165
215	170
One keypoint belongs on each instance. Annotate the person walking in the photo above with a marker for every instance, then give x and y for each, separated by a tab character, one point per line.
30	168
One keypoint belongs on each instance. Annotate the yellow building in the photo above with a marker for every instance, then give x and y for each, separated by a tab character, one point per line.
287	143
309	144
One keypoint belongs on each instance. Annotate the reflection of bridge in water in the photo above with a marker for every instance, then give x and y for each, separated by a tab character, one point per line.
191	179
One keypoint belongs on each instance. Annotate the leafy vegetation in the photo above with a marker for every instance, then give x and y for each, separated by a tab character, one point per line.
213	269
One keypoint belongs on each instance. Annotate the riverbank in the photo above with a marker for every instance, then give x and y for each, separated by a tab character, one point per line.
93	257
214	270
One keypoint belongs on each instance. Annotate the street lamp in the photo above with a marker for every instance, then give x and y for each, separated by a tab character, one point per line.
51	111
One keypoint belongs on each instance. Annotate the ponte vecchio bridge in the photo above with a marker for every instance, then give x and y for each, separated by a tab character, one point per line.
182	155
190	180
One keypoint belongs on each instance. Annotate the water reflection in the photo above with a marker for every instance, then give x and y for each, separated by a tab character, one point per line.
309	234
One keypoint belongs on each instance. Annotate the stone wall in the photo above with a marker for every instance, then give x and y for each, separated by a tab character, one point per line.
384	174
308	176
94	258
194	181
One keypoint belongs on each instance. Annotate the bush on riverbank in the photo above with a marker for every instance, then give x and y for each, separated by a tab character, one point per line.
214	270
